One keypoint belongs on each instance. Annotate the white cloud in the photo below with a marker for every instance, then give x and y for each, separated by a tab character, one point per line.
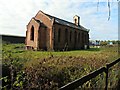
15	15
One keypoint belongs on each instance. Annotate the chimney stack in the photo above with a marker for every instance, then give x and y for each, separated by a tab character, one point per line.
76	20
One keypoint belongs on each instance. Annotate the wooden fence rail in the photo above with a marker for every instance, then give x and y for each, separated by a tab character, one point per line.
81	81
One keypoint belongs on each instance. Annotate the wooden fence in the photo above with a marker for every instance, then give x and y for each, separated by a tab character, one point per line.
73	85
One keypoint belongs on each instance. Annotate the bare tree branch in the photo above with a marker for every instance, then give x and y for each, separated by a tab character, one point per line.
109	12
97	5
109	9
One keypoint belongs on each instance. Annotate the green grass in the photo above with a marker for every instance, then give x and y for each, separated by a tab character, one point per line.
103	54
56	67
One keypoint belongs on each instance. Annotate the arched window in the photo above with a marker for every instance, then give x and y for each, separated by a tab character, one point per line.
82	37
75	21
70	36
75	39
32	34
66	36
75	35
78	37
59	34
85	37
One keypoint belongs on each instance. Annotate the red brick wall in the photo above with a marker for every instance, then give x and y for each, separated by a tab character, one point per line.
46	35
49	23
83	40
42	40
43	34
32	43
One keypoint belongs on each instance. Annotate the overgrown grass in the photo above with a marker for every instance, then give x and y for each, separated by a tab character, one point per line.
50	70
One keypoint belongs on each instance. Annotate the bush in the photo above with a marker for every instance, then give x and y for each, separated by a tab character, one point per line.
50	70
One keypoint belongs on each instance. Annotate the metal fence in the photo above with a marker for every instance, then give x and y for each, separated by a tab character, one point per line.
73	85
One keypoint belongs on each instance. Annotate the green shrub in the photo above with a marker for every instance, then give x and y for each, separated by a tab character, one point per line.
50	70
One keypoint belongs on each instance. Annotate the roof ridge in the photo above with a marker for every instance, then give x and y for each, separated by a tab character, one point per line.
60	19
64	22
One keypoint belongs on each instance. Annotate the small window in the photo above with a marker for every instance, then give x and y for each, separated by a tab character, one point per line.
32	34
59	34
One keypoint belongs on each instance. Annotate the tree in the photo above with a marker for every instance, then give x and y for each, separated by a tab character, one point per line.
109	13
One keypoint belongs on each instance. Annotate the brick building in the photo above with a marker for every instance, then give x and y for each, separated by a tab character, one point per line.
46	32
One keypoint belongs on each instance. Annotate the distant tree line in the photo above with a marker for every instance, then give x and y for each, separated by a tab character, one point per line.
104	42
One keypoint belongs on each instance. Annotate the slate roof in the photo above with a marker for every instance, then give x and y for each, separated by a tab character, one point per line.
64	22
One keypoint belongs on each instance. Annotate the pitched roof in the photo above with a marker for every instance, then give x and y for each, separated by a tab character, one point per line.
64	22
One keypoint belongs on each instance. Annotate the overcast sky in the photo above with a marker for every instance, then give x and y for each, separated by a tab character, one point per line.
16	14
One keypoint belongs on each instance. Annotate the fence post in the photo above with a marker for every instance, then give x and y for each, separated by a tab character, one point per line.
106	79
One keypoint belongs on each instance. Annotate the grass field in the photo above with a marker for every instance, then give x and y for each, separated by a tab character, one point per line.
93	56
51	70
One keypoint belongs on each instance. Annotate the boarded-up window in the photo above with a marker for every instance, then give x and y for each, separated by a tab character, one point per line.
78	37
32	34
66	36
59	34
83	38
75	35
70	36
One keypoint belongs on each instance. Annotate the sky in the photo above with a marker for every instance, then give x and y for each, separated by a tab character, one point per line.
16	14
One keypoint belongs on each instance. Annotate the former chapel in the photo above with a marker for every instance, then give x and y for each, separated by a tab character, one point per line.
46	32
